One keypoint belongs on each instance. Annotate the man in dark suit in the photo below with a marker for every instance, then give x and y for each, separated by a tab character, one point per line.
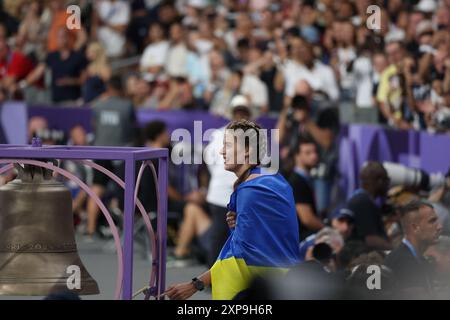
412	272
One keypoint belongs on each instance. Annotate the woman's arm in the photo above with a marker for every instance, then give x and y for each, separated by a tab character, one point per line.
183	291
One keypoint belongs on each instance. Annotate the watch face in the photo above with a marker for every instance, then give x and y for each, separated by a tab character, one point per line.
198	284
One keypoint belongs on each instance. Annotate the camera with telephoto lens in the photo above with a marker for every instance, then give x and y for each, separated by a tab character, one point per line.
401	175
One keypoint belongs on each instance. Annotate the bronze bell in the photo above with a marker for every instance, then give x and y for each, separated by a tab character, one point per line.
37	238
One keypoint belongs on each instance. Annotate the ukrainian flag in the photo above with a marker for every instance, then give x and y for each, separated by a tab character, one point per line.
265	238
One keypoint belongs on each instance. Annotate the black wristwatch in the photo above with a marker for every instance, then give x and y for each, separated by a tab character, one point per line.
199	285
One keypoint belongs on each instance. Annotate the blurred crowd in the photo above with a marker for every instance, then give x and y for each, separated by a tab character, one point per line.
198	54
312	64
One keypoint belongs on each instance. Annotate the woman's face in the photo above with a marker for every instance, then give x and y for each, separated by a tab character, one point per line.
232	152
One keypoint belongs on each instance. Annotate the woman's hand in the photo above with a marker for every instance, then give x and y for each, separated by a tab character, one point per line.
181	291
231	219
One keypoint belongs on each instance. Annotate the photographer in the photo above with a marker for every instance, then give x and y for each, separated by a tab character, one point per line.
294	122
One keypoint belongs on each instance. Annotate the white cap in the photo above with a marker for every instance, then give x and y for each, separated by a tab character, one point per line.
198	3
422	26
394	35
426	6
239	101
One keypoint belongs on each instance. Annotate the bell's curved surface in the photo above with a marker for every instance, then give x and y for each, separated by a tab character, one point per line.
37	239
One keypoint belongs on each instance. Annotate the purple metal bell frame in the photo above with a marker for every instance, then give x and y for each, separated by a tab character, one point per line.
30	154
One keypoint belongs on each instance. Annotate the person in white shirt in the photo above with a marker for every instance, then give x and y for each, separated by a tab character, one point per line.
365	110
110	21
177	56
294	70
326	81
318	75
155	54
256	90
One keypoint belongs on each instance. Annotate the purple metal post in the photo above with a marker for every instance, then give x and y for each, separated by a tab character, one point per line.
36	143
128	230
162	224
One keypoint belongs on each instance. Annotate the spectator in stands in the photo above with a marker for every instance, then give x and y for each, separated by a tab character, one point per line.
65	66
252	85
98	72
109	22
411	270
154	56
220	103
10	23
326	89
295	71
365	110
167	14
389	94
344	55
262	64
369	226
141	13
237	39
204	37
14	67
217	72
179	96
196	67
114	125
379	63
176	63
58	20
144	94
32	31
